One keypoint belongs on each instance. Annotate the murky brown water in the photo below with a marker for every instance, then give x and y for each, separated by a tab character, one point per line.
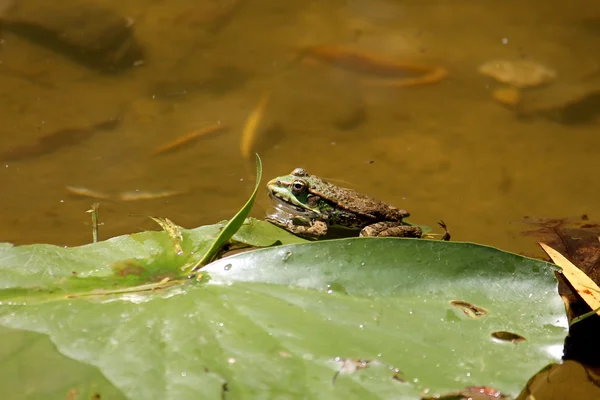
446	151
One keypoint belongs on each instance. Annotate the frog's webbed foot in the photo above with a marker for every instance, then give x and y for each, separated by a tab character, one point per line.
395	229
300	226
314	231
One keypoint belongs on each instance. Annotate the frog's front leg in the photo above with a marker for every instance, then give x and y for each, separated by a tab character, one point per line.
303	227
395	229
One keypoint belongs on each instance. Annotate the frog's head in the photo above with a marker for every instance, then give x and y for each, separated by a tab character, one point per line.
292	191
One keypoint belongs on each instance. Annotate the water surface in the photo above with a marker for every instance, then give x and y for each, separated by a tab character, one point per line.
445	151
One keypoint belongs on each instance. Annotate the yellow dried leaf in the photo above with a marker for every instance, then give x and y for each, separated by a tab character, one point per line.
248	138
587	289
189	138
173	231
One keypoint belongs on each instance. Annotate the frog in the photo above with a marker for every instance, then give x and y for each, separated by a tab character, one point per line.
308	206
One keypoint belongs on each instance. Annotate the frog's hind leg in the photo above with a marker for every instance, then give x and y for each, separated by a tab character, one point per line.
394	229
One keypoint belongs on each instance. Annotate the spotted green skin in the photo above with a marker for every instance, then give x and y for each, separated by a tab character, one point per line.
313	205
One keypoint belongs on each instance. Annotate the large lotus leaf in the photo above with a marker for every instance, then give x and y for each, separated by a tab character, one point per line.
281	322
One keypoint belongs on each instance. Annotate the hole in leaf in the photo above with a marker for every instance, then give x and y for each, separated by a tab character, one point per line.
470	310
508	337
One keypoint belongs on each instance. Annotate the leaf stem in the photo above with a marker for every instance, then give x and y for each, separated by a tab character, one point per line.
95	211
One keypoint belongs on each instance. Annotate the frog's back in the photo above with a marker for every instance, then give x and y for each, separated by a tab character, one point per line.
358	203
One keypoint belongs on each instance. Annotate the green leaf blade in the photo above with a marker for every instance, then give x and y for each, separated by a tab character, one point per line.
234	223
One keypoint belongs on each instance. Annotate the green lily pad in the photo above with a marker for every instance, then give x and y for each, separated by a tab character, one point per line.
37	273
369	317
32	368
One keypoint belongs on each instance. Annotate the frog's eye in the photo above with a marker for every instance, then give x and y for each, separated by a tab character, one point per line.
298	186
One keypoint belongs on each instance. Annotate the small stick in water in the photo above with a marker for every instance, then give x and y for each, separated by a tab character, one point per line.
190	137
95	211
249	133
